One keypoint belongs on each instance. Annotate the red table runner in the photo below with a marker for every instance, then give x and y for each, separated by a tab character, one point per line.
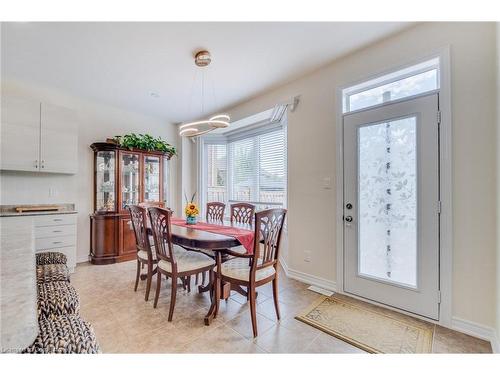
244	236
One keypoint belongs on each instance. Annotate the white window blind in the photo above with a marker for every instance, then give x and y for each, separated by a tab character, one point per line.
250	169
216	173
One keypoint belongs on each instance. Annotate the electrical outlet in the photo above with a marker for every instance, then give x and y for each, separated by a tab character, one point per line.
307	256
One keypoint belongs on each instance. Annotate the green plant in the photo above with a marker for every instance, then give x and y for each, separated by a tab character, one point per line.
144	142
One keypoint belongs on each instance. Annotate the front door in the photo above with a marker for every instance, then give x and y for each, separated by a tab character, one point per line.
391	205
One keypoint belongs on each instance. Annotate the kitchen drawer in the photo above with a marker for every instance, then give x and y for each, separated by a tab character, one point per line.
54	242
55	231
50	220
70	253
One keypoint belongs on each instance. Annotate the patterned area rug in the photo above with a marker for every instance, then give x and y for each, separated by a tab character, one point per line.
369	329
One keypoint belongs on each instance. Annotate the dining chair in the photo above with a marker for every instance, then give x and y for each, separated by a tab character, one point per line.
215	211
145	255
242	213
263	268
171	262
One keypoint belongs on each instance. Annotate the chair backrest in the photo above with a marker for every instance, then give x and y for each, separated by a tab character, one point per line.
215	211
162	233
152	204
242	213
268	229
138	216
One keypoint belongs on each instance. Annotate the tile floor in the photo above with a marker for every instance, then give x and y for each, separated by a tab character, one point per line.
125	323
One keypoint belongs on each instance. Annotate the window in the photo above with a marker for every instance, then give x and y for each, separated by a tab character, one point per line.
251	168
216	173
411	81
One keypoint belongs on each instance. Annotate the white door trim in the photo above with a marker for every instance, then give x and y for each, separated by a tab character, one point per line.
446	178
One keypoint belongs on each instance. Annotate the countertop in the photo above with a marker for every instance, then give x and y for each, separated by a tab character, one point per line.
18	320
9	210
36	213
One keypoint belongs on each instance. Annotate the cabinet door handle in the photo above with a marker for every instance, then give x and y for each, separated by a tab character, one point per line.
43	164
56	242
56	231
36	164
58	220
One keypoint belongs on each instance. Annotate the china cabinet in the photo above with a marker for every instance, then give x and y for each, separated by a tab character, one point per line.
123	177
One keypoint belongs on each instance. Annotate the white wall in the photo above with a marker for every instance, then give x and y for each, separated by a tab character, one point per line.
96	122
498	187
312	155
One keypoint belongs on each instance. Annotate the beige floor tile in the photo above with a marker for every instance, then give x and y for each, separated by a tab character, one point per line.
243	324
230	309
325	343
286	311
289	336
223	340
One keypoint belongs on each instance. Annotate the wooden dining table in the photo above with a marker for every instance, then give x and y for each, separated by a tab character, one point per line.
193	239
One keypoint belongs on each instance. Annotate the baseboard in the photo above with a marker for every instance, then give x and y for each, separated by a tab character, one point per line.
307	278
495	344
477	330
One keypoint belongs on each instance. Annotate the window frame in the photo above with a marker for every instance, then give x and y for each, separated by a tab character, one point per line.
446	172
394	75
253	130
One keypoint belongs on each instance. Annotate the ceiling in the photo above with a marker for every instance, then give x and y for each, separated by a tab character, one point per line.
122	64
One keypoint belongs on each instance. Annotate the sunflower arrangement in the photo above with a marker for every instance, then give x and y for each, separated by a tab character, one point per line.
191	210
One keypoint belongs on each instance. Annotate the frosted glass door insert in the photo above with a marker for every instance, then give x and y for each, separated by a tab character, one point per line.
388	201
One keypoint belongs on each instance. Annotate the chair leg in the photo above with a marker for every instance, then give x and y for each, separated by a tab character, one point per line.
275	297
137	276
172	298
253	310
203	277
148	284
158	286
196	279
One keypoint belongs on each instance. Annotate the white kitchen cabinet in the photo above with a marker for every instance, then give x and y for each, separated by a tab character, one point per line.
59	141
38	137
20	134
56	233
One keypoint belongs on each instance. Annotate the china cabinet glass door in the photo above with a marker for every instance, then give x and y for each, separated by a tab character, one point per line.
166	177
105	181
151	178
129	179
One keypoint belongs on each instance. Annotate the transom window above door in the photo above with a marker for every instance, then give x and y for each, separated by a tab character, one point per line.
404	83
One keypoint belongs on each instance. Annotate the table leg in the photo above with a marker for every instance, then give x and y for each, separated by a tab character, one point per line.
214	307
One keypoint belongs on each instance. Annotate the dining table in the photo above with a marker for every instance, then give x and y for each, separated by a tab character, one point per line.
196	237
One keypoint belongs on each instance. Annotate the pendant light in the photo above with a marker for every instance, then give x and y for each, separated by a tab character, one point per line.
196	128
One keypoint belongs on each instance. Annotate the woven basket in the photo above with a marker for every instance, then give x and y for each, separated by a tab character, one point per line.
50	257
52	272
57	298
65	334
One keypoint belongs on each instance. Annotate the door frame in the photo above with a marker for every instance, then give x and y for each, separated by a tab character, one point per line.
445	184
